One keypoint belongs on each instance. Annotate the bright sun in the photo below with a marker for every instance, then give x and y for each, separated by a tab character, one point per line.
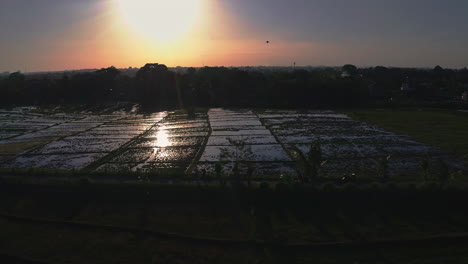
161	20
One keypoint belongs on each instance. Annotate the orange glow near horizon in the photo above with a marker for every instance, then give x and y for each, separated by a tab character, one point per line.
124	33
52	35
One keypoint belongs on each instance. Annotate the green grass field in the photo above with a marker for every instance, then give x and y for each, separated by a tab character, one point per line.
447	129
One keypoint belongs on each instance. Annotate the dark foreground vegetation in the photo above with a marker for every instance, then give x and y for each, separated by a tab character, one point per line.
81	221
154	85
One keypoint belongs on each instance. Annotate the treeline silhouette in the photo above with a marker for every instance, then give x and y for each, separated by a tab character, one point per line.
154	85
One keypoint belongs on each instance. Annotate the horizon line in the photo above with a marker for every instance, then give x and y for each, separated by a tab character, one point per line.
244	66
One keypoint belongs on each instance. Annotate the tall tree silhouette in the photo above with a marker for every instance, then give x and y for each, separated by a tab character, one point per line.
156	86
349	70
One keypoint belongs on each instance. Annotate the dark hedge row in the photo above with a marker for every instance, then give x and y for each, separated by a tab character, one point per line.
154	85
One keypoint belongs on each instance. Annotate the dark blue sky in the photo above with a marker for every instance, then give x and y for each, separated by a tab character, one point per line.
364	32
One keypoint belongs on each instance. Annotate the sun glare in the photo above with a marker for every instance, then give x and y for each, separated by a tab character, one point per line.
162	138
160	20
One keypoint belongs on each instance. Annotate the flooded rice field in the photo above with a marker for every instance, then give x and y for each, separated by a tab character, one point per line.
241	136
260	142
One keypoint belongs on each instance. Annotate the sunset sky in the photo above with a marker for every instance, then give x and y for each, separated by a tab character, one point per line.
42	35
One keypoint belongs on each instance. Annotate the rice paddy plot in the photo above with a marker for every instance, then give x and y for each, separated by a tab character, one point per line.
327	129
241	132
116	167
125	128
166	168
184	125
171	141
104	135
74	142
162	130
25	126
239	137
266	169
250	140
7	135
156	155
264	153
347	145
235	123
62	130
305	120
341	151
171	144
133	155
397	166
5	157
100	118
172	154
81	146
55	161
176	134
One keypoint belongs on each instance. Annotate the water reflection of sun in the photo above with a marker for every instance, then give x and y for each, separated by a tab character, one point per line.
162	138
